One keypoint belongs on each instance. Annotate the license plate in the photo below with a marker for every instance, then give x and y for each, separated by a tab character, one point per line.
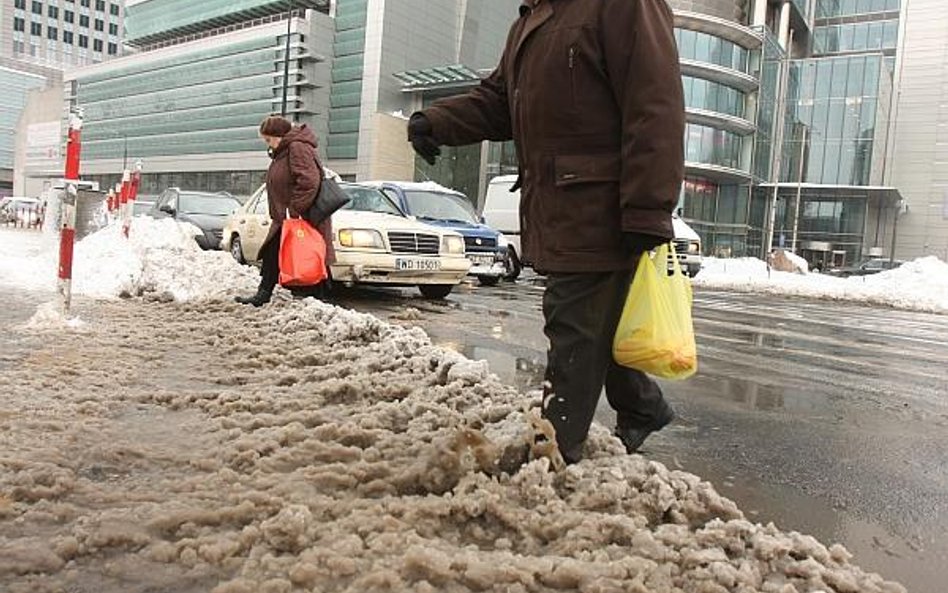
484	260
403	264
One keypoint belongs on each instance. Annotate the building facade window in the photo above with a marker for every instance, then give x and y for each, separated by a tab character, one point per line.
113	29
114	9
52	33
83	20
97	45
99	25
36	29
710	146
113	49
69	16
83	41
835	102
37	7
21	4
843	8
100	5
53	12
712	96
67	37
84	3
19	24
704	47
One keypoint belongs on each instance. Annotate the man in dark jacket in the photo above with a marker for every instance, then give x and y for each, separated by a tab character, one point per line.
590	91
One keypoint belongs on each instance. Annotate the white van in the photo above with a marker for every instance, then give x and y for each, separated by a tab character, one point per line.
502	212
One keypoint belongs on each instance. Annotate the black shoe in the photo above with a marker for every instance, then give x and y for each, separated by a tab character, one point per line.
633	438
259	299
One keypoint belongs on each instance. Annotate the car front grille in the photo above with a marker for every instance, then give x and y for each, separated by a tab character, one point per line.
414	243
681	246
479	244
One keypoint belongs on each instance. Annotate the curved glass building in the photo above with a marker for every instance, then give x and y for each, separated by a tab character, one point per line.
721	78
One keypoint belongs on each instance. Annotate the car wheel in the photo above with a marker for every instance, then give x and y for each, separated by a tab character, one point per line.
237	250
514	267
435	291
488	280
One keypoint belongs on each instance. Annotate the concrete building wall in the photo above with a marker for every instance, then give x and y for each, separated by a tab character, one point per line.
920	146
40	136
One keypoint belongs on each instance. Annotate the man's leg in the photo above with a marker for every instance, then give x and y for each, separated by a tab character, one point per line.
582	312
577	309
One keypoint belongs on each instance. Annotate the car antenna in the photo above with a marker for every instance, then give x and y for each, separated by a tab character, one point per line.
423	174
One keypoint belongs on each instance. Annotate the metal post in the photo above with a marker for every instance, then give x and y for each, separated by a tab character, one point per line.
778	151
67	237
796	206
895	229
286	55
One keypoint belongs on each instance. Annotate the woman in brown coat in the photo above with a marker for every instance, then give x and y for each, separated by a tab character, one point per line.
293	181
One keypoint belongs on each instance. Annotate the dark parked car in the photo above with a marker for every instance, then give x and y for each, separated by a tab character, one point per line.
207	211
870	266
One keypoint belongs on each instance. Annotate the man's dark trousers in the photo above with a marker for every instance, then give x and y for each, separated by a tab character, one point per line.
582	311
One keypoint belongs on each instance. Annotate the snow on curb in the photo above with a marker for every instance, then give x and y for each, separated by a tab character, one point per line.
324	449
919	285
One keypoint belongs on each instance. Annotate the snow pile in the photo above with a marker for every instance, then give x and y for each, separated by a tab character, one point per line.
28	259
306	448
920	285
49	316
159	258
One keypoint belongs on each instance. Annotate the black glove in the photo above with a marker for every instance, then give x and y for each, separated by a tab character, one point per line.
420	136
640	242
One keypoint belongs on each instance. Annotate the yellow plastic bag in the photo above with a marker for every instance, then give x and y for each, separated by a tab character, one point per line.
655	334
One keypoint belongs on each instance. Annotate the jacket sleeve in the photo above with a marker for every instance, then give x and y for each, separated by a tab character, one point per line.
642	64
304	175
480	114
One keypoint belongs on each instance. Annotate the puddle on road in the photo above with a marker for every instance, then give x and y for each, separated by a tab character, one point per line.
522	373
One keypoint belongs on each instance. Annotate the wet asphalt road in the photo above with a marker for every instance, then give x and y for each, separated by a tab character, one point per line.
826	418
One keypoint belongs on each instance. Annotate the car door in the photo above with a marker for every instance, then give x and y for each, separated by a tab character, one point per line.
257	224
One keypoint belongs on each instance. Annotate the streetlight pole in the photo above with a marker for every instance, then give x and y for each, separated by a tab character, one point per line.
796	206
286	55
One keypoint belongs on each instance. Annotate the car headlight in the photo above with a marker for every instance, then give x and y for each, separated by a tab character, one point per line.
694	248
502	242
452	244
361	238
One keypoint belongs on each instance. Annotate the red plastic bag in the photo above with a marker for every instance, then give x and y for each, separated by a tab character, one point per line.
302	254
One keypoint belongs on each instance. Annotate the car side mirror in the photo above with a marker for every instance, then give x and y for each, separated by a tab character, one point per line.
167	209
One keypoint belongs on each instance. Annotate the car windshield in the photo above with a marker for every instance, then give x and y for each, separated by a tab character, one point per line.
367	199
439	206
215	205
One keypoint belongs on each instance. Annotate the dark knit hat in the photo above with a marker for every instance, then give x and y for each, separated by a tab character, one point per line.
275	126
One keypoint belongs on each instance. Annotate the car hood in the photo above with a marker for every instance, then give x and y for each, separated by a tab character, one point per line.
205	222
683	231
381	222
468	229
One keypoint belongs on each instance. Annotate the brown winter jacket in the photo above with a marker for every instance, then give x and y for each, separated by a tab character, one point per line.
293	181
590	91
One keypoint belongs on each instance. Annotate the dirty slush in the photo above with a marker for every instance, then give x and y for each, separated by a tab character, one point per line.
206	447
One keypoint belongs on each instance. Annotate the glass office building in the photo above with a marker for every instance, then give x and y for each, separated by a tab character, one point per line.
189	105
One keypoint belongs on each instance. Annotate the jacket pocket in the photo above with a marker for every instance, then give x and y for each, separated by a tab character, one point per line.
585	203
587	168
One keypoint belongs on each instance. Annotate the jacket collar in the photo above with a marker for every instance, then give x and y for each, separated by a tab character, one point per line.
534	13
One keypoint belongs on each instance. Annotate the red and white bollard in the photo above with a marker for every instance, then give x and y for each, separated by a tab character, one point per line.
130	191
67	238
123	200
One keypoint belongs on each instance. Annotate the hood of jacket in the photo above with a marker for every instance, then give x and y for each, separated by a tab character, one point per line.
301	133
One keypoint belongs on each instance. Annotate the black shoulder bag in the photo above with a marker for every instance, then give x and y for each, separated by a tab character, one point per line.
329	199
